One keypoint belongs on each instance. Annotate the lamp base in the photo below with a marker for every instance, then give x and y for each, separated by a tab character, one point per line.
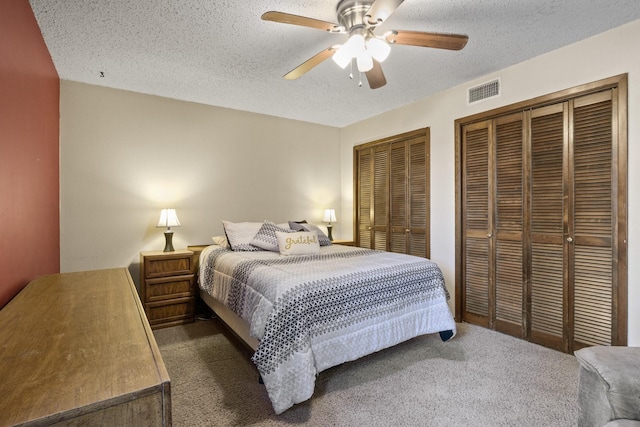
168	239
329	227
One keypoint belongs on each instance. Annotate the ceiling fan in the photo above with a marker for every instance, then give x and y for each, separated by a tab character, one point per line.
359	19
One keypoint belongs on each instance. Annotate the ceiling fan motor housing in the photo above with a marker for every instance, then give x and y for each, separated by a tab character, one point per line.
352	14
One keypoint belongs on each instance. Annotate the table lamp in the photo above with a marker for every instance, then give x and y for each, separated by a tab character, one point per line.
330	216
168	218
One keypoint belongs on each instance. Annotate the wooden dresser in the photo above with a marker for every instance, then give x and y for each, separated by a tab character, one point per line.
76	349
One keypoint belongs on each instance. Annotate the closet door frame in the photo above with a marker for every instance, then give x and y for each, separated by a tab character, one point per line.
620	173
385	144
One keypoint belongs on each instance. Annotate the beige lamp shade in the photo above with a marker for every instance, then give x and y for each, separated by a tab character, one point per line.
330	216
168	218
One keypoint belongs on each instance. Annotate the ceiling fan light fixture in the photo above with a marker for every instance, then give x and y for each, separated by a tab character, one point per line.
356	45
365	62
342	57
353	48
379	49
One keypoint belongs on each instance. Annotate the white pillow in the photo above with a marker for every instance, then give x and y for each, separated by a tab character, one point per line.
220	241
300	243
240	234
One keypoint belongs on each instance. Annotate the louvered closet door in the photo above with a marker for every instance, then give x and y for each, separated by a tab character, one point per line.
572	248
365	197
548	258
509	225
548	186
392	193
409	214
380	212
373	197
592	230
476	213
398	214
419	196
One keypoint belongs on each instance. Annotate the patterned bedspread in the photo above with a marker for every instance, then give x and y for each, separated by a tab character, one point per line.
313	312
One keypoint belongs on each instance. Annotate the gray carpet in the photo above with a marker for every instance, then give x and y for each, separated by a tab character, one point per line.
480	378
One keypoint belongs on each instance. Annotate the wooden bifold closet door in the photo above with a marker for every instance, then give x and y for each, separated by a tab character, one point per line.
392	194
542	221
494	211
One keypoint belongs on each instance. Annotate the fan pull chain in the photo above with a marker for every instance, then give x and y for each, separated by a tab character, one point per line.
359	74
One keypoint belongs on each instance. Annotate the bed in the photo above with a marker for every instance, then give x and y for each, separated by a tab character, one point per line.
304	313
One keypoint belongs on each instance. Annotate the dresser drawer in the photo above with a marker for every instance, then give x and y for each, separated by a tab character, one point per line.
169	287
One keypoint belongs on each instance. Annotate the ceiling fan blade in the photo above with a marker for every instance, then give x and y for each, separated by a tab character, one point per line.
287	18
375	76
380	10
306	66
435	40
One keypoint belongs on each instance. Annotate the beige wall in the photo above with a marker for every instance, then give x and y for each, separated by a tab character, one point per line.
606	55
125	155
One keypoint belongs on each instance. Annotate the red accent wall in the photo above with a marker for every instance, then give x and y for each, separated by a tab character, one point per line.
29	152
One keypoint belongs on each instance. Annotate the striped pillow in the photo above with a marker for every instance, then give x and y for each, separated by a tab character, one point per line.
266	237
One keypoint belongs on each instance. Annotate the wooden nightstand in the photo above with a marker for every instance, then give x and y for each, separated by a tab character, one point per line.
167	287
343	242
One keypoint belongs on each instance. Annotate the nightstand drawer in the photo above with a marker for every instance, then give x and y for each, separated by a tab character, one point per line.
169	287
170	312
167	266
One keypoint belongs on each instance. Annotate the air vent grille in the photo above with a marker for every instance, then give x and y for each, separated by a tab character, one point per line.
484	91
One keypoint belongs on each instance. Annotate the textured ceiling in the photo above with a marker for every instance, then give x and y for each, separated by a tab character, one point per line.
219	52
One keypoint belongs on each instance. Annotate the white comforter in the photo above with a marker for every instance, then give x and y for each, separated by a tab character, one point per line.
317	311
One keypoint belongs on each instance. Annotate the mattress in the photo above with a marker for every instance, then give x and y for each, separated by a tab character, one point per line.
312	312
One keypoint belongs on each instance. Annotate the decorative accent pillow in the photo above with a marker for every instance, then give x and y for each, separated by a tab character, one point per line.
296	225
240	234
322	238
298	243
221	241
266	237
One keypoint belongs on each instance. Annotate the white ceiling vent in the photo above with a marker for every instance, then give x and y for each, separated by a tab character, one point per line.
483	91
